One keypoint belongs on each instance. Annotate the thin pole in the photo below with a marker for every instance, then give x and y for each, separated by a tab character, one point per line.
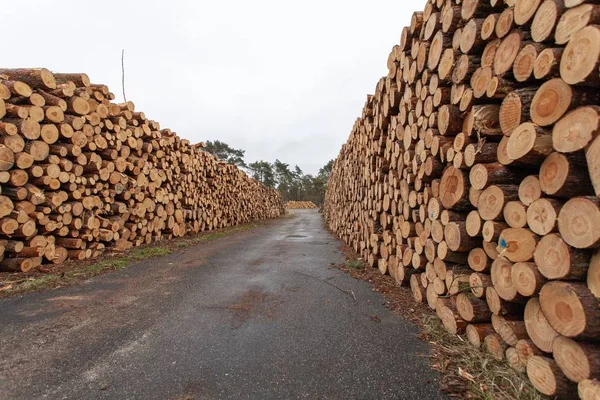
123	73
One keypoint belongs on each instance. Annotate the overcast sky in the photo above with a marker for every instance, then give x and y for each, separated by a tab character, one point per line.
276	79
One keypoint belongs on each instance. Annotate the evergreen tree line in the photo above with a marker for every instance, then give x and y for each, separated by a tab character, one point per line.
292	182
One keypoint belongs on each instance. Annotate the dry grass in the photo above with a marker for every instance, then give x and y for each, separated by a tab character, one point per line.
470	373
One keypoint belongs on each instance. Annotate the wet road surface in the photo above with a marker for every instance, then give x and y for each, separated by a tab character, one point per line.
256	315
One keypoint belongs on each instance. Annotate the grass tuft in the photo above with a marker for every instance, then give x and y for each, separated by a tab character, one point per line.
356	265
38	283
492	379
210	236
148	252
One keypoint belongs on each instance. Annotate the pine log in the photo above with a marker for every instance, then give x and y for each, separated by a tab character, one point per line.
476	333
495	346
579	222
547	377
589	389
538	328
578	361
571	309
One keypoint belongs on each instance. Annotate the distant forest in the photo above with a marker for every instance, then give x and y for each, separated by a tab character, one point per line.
293	183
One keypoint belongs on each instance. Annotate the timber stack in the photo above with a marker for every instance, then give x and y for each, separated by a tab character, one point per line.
80	174
300	205
473	176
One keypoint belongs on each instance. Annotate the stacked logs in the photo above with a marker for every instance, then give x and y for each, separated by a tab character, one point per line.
473	175
80	174
300	205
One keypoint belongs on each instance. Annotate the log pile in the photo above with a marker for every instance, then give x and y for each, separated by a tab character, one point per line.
300	205
473	176
80	174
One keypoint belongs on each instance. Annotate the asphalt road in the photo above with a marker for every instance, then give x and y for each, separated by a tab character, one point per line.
257	315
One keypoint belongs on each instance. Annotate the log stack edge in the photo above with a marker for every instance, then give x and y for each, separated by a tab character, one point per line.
300	205
473	177
80	174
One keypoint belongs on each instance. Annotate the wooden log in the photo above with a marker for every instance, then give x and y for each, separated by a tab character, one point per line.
417	289
36	78
593	276
578	361
589	389
517	244
527	278
479	261
556	260
525	62
526	349
492	230
545	20
547	64
525	10
538	328
554	98
79	79
580	61
512	357
507	52
447	312
495	346
511	329
515	213
515	109
559	177
17	264
476	333
453	189
578	222
542	216
505	22
576	129
529	144
492	200
457	238
483	175
479	283
472	309
571	309
574	19
547	377
501	273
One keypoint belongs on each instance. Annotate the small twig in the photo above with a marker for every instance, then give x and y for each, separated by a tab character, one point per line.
348	292
123	73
